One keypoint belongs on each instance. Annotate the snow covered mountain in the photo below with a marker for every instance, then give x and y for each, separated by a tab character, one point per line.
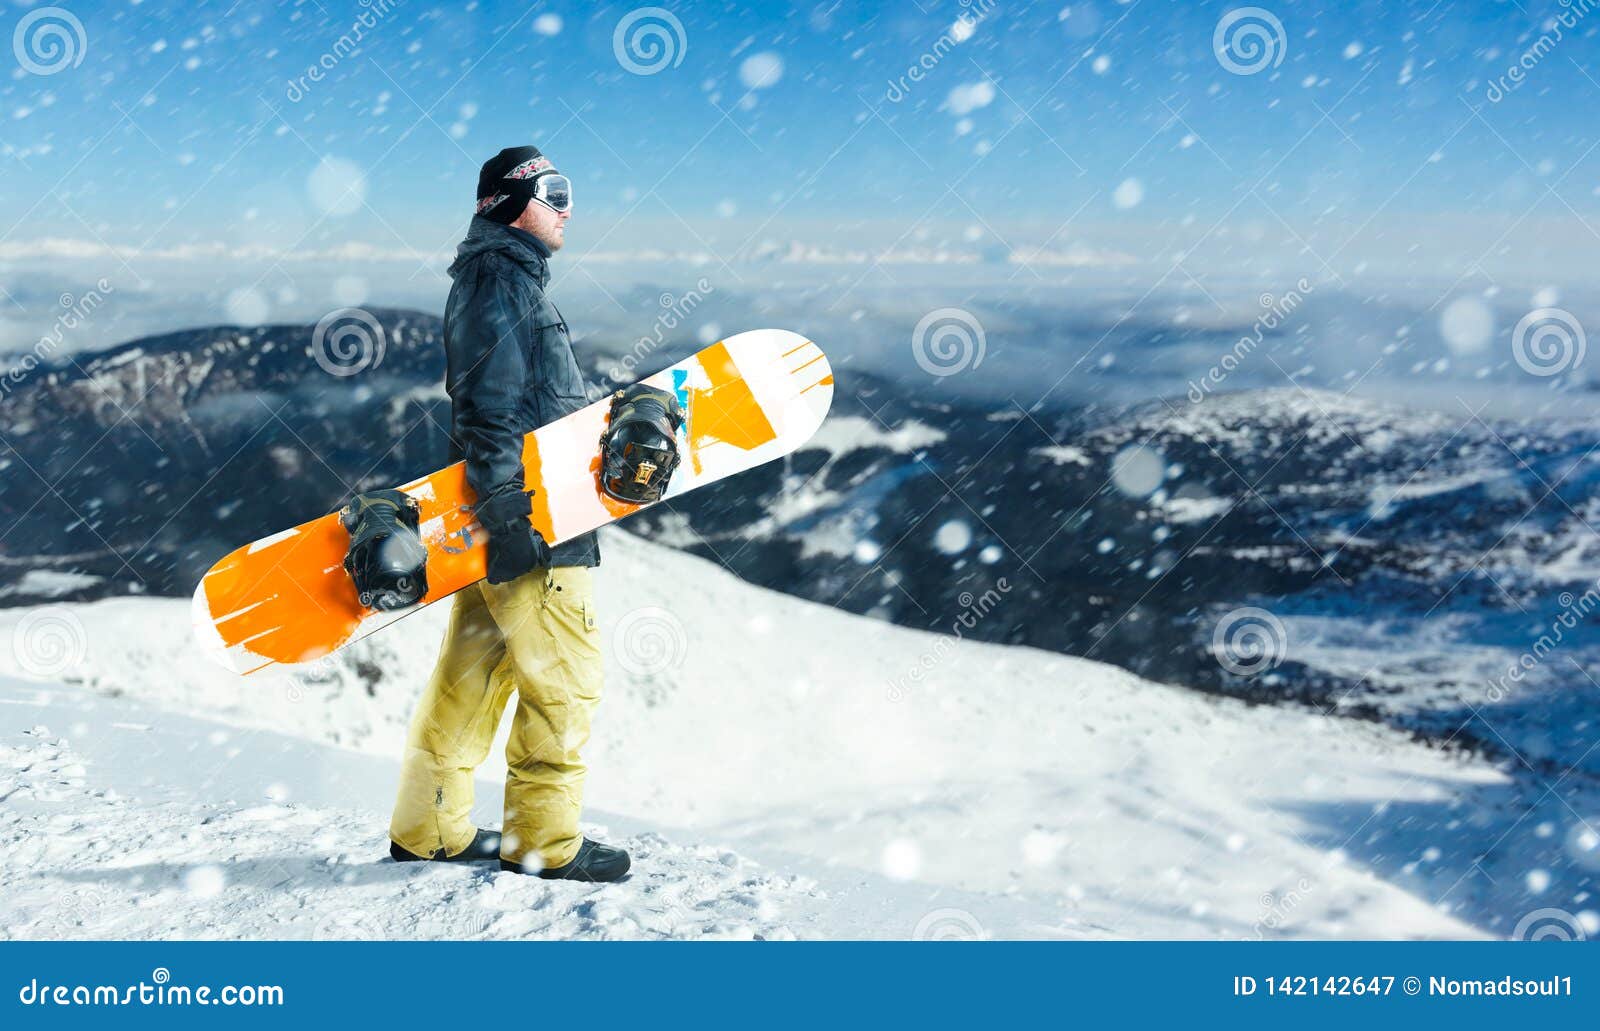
1406	559
877	781
137	466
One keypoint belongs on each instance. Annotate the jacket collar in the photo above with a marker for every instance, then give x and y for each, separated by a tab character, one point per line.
522	247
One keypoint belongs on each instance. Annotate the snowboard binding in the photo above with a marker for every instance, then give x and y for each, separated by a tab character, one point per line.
387	559
639	449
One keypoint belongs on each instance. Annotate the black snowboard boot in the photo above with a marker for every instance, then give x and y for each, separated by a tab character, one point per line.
594	862
485	847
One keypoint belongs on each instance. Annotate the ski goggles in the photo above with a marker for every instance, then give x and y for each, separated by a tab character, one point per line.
554	191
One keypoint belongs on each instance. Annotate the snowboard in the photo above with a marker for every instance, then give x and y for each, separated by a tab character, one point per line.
287	599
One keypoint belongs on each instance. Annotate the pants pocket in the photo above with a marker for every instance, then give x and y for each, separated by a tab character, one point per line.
574	633
569	595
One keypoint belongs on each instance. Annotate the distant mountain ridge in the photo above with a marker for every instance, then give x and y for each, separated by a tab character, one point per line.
1123	533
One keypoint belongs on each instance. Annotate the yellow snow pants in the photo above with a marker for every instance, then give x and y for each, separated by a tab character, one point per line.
535	635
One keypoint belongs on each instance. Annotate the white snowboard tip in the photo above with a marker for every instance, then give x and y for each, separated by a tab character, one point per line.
206	636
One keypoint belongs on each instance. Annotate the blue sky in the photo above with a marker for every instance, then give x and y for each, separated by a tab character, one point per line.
181	124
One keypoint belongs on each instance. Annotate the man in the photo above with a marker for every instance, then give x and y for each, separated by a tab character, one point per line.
530	627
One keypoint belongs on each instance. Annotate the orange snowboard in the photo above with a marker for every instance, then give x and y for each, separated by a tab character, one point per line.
287	598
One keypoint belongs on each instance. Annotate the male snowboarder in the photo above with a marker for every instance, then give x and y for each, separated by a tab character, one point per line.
529	628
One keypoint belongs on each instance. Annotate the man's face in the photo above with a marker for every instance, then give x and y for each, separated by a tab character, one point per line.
550	227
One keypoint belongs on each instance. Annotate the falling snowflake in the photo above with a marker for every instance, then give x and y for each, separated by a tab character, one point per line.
1467	324
902	859
953	537
761	71
1138	470
205	882
1128	194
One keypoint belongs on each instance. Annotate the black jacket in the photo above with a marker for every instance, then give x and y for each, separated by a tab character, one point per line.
510	370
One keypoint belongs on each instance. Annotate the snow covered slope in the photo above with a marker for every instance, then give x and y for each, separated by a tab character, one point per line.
1045	795
181	828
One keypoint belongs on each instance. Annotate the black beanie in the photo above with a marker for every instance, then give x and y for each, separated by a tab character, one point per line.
505	183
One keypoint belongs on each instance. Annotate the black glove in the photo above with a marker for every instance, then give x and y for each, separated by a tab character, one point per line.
514	545
514	549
